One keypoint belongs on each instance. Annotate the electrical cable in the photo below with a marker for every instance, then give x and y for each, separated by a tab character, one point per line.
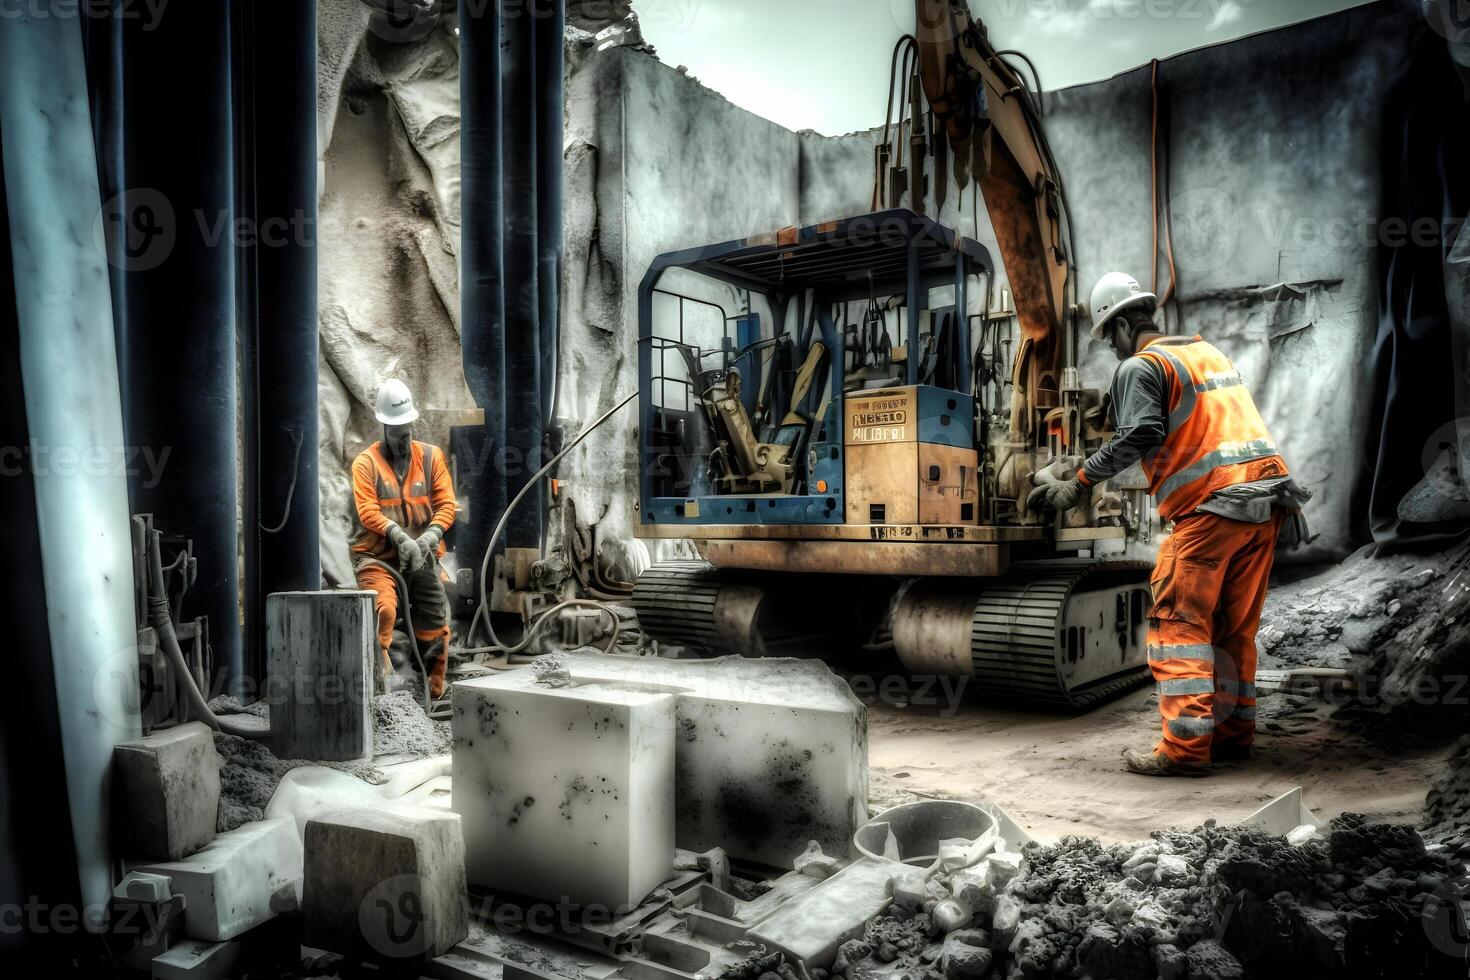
290	491
1035	77
483	612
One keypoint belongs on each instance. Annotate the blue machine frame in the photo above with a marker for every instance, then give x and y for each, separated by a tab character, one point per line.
887	253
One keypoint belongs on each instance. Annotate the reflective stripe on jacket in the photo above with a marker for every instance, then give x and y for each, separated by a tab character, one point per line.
425	497
1216	436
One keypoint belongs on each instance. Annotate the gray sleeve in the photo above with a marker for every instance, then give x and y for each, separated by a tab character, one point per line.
1140	395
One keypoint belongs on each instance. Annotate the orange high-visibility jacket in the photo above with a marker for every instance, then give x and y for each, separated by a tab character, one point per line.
1216	436
425	497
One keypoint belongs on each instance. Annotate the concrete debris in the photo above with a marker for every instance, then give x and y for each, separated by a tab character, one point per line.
1448	803
400	727
1213	904
1398	616
250	773
815	864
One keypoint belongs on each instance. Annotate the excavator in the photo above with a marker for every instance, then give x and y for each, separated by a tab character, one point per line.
844	424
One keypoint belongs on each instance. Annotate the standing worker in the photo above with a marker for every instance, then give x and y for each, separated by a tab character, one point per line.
1213	469
404	503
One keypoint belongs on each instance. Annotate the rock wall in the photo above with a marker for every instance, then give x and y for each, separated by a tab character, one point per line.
1272	185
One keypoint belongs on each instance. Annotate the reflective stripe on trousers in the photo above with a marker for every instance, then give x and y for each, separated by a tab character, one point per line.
1209	584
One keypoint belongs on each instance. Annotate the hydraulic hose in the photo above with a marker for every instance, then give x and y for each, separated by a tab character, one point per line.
162	622
413	638
484	608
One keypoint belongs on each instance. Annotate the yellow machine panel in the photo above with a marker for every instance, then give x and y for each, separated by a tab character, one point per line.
911	483
886	416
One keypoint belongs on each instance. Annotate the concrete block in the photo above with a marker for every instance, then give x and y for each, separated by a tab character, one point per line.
169	784
322	657
196	960
386	883
771	753
567	792
230	885
811	927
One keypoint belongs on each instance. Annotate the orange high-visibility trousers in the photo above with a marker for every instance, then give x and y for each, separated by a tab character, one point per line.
430	616
1209	584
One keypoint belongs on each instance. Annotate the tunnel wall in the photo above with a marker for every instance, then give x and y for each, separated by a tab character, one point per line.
1273	184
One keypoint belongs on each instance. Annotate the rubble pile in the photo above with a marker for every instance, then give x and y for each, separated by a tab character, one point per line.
1399	617
1448	804
1363	899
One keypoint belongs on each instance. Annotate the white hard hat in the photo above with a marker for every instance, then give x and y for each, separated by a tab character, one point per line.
395	403
1114	293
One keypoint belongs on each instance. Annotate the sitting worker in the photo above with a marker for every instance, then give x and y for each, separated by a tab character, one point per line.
404	503
1213	469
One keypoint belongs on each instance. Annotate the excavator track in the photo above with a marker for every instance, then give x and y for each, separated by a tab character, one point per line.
1018	633
1066	633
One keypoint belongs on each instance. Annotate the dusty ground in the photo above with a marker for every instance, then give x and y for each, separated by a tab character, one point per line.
1061	775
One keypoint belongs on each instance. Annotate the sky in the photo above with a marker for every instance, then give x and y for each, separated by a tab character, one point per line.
823	64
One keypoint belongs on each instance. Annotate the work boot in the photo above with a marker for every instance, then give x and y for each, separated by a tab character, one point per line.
1229	752
1158	764
436	677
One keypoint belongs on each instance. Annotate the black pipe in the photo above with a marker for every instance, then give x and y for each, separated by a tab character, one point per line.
522	327
550	73
279	163
481	277
173	283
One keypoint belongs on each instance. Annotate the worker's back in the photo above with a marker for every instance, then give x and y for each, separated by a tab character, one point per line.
1216	436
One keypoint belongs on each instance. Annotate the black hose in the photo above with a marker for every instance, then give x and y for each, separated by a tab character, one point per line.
163	624
484	607
413	639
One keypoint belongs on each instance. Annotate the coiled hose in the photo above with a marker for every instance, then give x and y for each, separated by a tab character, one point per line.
413	638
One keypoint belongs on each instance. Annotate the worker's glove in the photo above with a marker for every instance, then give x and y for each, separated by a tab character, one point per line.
1060	496
428	542
410	559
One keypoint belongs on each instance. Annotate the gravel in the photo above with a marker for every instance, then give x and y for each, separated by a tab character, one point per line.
1214	903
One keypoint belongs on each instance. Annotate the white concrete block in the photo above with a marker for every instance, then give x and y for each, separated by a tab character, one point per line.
322	653
169	783
229	885
196	960
567	792
386	883
771	753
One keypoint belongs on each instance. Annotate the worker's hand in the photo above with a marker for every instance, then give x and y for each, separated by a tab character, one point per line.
1060	496
428	542
410	559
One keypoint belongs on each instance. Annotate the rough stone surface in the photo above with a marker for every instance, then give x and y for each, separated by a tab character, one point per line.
567	793
230	886
251	772
322	652
385	883
170	786
771	754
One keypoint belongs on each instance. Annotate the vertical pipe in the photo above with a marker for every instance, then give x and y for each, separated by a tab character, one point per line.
550	110
962	318
911	365
174	265
521	328
283	441
481	274
68	367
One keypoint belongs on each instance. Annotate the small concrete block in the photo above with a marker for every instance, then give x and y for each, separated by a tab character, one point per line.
196	960
1004	865
813	863
144	889
811	927
567	791
229	885
169	783
386	883
322	653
